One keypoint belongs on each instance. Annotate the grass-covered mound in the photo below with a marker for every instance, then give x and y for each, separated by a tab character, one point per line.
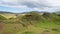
2	17
33	17
31	23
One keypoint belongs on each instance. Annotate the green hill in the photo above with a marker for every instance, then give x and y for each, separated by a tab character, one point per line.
30	23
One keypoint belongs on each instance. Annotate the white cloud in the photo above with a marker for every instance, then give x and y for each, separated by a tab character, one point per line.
54	2
47	5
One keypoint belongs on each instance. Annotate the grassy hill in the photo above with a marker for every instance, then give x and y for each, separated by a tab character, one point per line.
30	23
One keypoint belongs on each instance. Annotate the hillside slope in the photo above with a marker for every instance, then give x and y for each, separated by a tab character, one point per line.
31	23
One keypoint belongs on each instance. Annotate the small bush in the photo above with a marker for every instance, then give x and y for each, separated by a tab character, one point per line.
46	15
46	31
32	16
28	33
55	29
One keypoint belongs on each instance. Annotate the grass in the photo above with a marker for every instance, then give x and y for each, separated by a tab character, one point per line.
9	15
43	26
30	29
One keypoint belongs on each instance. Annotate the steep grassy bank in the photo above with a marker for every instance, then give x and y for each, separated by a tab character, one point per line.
31	23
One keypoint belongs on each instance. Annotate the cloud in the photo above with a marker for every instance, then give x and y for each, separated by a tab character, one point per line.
39	5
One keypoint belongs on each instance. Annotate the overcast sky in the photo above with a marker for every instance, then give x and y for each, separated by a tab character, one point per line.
29	5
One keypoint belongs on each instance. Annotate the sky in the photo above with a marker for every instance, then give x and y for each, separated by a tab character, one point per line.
18	6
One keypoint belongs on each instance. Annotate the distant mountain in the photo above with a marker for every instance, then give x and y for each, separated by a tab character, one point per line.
58	12
32	11
5	12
